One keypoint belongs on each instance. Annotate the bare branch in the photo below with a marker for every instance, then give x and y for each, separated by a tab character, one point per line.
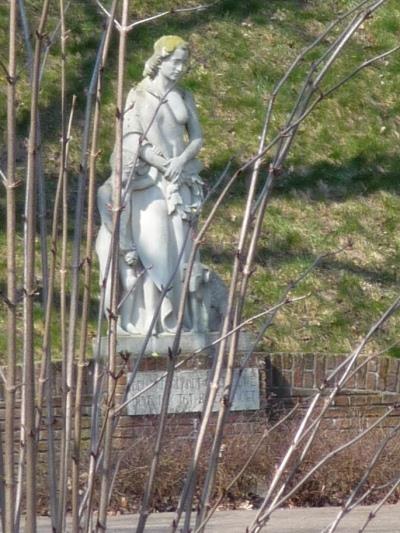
51	40
364	65
104	10
30	282
262	520
373	513
369	467
172	12
266	507
130	27
113	317
256	449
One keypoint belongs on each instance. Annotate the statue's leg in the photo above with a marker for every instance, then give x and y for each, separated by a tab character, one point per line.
153	235
129	297
103	243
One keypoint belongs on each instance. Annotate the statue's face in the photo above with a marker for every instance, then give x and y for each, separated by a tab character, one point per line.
173	67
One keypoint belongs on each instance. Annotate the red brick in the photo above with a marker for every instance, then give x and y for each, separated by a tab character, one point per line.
344	424
308	380
371	381
298	373
390	399
351	383
358	399
391	382
375	399
309	361
361	378
288	377
342	401
287	361
320	374
393	366
331	362
339	411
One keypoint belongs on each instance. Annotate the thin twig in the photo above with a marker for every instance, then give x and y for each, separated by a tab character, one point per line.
77	238
30	282
172	12
255	451
375	511
7	492
258	524
51	40
87	297
95	86
114	247
369	467
266	507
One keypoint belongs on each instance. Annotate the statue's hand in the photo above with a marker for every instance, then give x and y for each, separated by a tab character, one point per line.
174	168
131	258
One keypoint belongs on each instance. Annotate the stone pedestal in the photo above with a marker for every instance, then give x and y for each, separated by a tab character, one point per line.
159	344
191	380
189	389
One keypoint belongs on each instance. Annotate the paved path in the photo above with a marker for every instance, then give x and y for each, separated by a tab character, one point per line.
304	520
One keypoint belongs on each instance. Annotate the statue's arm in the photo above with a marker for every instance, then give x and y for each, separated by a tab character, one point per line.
193	128
145	152
104	201
133	147
177	164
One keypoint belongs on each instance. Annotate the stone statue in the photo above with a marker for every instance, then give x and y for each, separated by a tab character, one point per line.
161	141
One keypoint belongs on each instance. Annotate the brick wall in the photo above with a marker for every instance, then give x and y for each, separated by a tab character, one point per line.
366	396
302	372
285	379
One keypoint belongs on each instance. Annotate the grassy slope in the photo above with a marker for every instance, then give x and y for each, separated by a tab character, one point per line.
341	180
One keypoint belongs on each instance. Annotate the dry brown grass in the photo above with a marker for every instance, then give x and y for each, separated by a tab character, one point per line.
330	485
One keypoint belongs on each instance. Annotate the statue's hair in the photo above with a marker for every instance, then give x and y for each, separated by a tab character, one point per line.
163	47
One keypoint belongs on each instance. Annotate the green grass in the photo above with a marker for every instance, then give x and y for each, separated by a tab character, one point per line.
341	180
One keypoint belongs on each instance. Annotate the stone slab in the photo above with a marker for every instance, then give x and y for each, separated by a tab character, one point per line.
159	344
188	392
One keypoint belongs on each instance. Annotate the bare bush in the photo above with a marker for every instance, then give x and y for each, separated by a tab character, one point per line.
213	466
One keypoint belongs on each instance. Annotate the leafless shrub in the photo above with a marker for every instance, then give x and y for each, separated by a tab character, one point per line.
330	485
293	462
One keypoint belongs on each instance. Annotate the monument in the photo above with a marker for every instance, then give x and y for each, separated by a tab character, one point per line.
163	193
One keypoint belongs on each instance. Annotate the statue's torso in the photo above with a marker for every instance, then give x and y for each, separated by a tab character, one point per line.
163	121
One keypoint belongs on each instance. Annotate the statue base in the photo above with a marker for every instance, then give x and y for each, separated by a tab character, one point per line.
189	390
160	344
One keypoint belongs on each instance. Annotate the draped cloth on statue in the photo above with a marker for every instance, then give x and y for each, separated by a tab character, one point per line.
155	222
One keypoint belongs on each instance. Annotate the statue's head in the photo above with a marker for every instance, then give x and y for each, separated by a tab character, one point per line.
164	47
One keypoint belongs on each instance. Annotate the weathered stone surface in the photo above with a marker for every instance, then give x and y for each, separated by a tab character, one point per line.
164	193
188	392
159	344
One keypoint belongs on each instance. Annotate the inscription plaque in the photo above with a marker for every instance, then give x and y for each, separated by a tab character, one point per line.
189	388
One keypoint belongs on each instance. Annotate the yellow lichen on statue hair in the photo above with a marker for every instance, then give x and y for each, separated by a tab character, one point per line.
163	47
169	43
